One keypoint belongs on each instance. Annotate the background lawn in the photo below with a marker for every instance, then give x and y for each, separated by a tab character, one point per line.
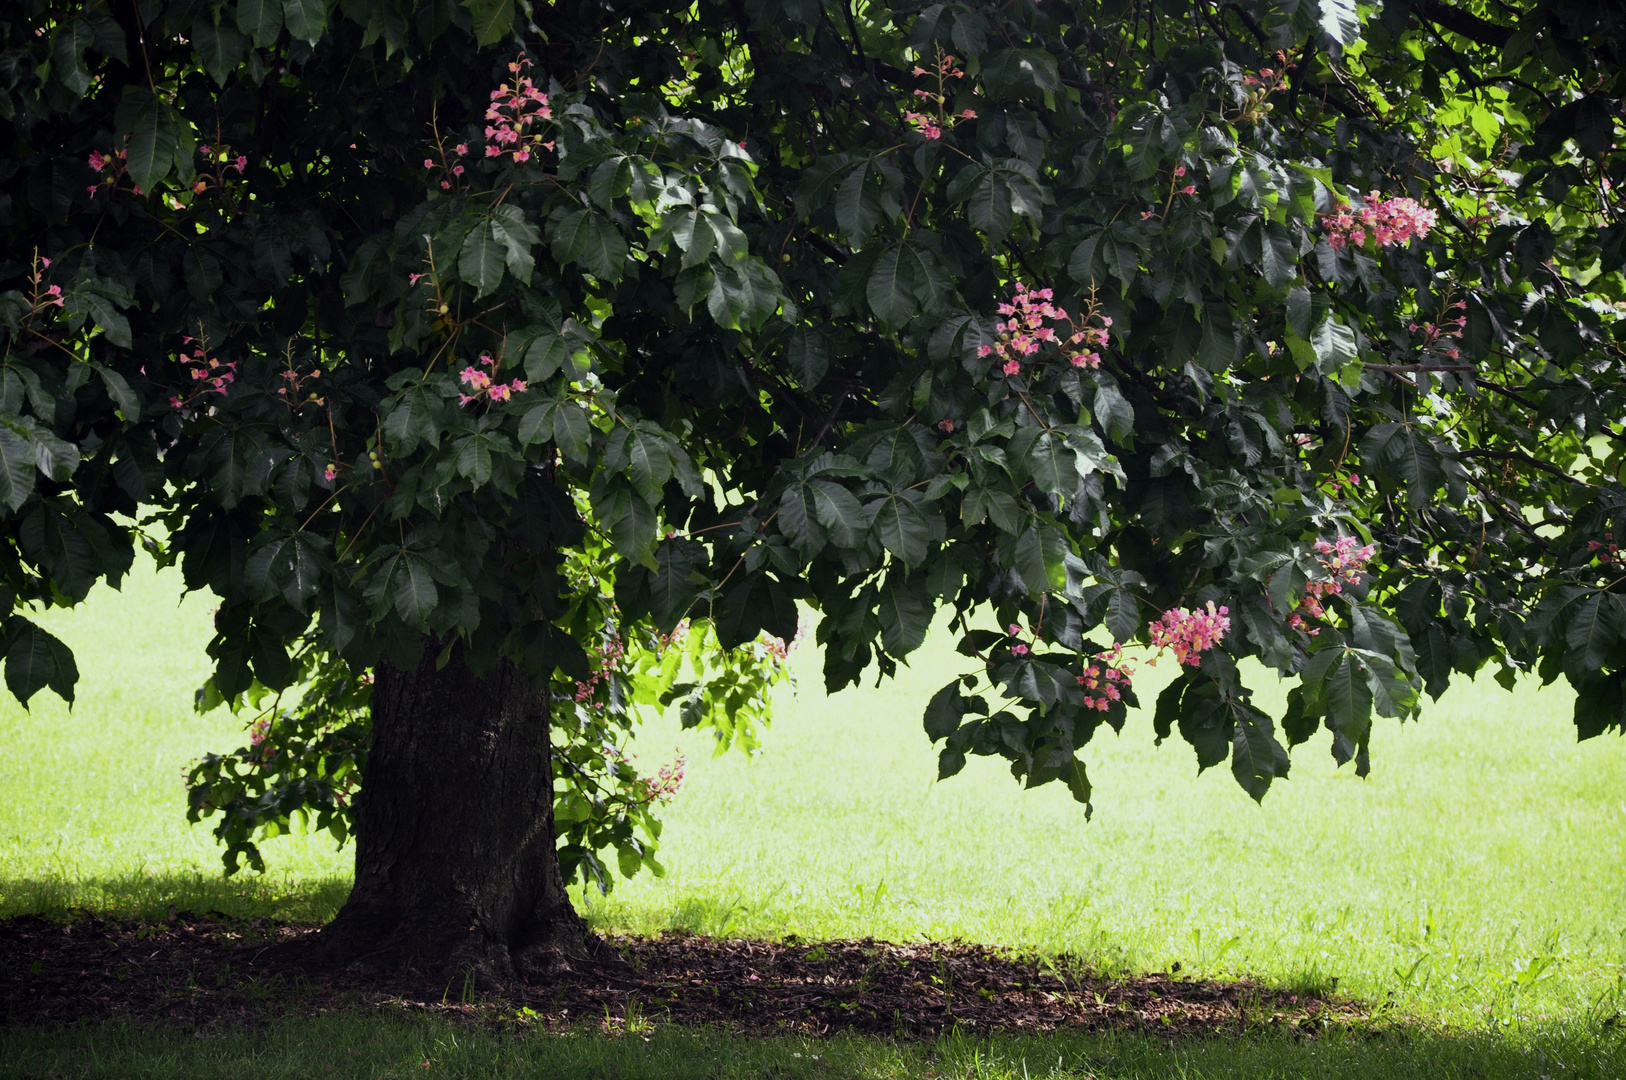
1478	876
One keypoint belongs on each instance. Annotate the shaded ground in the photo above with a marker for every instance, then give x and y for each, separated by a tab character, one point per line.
201	972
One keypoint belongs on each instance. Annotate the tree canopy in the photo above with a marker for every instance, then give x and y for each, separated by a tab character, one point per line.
1275	329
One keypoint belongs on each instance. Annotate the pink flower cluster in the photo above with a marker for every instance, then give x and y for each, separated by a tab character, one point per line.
1442	339
1606	550
1344	559
484	385
1024	332
1105	679
110	166
666	783
1387	221
513	109
223	156
210	373
461	149
779	651
933	124
608	659
1191	633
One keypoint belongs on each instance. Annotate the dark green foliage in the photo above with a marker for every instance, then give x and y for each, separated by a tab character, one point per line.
752	303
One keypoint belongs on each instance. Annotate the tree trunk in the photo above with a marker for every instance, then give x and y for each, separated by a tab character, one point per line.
457	872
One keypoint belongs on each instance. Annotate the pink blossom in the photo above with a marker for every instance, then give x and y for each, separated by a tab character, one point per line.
1191	633
1012	367
329	473
461	148
1189	189
945	426
428	163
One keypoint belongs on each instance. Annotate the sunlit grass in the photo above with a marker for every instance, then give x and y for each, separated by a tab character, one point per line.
1477	876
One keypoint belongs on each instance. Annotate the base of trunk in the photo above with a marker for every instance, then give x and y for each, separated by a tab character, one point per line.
383	941
457	871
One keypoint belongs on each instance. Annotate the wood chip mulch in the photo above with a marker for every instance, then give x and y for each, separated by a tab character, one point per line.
204	971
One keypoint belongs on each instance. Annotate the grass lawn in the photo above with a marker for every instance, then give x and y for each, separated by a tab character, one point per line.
1476	882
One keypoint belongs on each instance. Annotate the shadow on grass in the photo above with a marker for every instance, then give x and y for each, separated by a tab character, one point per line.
380	1044
150	896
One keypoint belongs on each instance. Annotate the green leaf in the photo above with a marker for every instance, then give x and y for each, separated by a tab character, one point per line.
1348	697
306	19
857	206
944	712
518	237
413	419
904	618
1596	624
413	589
493	19
16	466
677	582
35	659
584	236
891	288
692	231
798	520
1018	72
902	529
149	125
840	512
1279	256
220	46
481	260
1114	414
1339	20
260	20
1256	757
56	458
1334	345
1051	464
808	353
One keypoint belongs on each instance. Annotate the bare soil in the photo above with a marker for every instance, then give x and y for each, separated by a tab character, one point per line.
204	971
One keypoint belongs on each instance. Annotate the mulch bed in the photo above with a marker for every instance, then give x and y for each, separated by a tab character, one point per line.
202	972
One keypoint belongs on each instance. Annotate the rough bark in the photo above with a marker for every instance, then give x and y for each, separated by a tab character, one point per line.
457	872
